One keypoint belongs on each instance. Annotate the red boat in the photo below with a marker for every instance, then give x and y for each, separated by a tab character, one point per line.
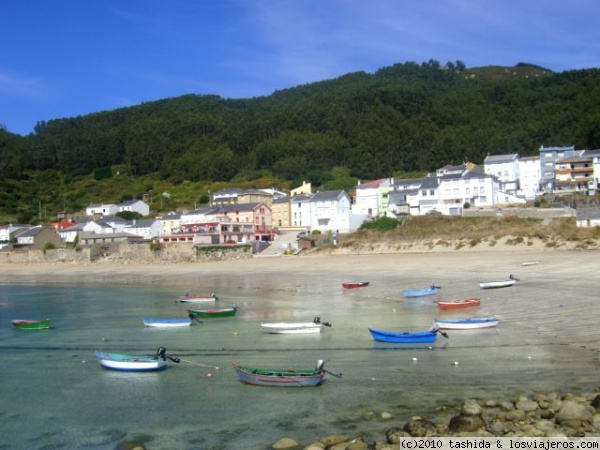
355	285
463	303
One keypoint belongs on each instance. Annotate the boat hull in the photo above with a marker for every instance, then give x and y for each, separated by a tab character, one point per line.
31	324
154	322
197	299
130	363
277	377
400	337
420	293
496	284
458	304
468	323
210	313
292	328
355	285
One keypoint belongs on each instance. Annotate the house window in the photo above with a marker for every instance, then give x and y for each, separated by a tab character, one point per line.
424	193
468	191
431	192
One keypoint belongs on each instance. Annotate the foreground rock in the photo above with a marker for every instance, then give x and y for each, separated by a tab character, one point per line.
539	415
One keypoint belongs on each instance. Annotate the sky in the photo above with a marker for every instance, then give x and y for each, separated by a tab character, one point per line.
66	58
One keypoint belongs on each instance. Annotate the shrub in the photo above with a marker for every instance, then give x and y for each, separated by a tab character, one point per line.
380	223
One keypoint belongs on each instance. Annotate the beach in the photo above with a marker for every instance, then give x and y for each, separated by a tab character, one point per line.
547	329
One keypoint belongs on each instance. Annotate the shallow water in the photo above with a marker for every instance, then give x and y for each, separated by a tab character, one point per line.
55	394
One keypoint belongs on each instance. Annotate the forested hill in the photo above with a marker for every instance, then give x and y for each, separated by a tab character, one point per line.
405	118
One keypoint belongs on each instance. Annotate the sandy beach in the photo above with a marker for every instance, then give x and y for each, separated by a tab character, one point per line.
557	295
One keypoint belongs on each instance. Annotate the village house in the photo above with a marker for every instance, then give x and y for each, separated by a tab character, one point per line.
371	198
137	206
145	228
330	211
574	174
300	211
38	237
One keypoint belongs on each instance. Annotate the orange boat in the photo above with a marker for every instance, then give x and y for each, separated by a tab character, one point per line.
463	303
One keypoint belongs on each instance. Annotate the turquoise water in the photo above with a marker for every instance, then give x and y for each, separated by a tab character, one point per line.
55	395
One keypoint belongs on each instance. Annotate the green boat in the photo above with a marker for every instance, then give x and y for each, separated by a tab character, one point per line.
210	313
43	324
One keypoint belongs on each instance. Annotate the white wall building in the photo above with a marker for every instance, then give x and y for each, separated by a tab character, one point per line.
529	177
137	206
146	228
506	169
101	209
371	198
300	211
330	211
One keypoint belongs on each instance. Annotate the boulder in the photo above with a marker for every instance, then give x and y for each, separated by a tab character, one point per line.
463	423
286	444
419	427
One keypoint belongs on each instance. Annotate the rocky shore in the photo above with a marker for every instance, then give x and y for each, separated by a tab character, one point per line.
550	415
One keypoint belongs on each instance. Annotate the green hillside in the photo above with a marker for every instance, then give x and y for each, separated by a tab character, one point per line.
402	121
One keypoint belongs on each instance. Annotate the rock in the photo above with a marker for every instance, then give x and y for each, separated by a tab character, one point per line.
497	428
357	444
526	405
393	435
573	415
463	423
386	416
333	440
471	408
419	427
286	444
314	446
596	402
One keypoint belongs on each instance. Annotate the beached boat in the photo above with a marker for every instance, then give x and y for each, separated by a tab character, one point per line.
210	313
468	323
456	304
135	363
431	290
174	322
282	377
316	326
355	285
406	337
511	281
189	298
43	324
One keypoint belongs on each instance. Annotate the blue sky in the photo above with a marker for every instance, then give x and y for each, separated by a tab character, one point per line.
66	58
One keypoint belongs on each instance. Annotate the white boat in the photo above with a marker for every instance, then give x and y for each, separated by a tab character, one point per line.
135	363
498	284
175	322
469	323
316	326
192	298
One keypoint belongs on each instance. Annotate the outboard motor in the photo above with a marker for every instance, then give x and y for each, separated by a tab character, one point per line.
317	320
161	353
320	365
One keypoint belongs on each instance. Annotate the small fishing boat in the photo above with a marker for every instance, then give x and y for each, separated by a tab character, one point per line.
282	377
316	326
189	298
355	285
406	337
498	284
210	313
431	290
174	322
135	363
43	324
461	303
468	323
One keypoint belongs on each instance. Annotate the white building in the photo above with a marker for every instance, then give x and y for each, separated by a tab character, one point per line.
170	223
529	177
506	169
137	206
100	209
330	211
371	198
145	228
300	211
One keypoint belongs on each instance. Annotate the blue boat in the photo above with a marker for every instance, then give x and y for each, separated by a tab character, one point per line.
135	363
174	322
405	337
431	290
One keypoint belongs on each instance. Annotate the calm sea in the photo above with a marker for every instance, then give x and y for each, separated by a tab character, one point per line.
55	395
